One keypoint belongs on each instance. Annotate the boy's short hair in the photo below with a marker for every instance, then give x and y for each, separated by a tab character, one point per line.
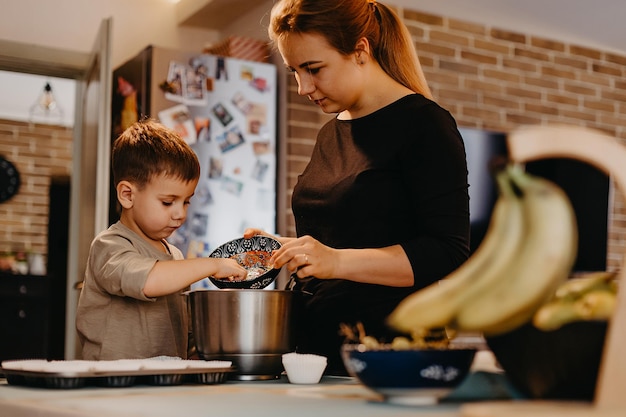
147	149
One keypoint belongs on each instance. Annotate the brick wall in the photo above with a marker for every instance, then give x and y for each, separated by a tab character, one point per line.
39	152
494	79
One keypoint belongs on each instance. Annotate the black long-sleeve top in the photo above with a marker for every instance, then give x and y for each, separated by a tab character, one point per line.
395	176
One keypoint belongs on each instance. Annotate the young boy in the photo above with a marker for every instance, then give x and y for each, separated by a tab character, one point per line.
131	304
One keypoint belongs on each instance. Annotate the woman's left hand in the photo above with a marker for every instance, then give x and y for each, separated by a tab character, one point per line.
307	257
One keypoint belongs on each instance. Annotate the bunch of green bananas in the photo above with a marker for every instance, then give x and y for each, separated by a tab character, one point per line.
528	251
592	296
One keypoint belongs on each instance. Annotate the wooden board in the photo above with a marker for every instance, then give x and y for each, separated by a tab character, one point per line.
608	155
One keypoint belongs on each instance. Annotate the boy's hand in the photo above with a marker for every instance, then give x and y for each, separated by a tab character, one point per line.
229	268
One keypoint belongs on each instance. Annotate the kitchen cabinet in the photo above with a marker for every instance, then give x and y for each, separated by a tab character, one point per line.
30	318
214	14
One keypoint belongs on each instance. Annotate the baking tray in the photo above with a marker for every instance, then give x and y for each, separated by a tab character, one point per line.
78	379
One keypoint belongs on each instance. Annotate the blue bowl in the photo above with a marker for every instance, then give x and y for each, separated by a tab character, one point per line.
411	377
252	254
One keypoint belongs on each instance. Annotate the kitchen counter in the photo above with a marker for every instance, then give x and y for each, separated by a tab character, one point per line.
334	396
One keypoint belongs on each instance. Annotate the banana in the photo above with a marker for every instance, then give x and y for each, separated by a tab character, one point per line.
590	297
576	287
437	304
597	305
544	261
555	314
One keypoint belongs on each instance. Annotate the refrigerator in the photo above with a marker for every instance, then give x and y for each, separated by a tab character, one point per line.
225	108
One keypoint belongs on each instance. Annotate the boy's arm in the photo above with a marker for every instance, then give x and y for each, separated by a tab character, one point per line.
169	277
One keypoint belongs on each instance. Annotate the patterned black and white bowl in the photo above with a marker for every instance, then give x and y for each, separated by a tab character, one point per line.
253	254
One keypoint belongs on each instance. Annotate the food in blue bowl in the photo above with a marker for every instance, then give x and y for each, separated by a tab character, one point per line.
411	376
254	255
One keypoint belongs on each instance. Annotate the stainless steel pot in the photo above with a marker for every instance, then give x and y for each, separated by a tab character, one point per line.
251	328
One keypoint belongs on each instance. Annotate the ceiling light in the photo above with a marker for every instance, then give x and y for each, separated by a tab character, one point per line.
46	106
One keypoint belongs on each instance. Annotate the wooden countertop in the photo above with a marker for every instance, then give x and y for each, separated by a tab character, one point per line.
332	397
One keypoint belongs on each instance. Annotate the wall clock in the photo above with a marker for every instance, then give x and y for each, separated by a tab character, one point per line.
9	180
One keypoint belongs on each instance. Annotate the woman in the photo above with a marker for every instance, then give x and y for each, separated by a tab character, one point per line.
382	209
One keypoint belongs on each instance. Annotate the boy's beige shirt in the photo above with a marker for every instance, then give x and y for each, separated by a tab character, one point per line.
114	319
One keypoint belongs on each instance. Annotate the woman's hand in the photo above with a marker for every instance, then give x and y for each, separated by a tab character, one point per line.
307	257
251	231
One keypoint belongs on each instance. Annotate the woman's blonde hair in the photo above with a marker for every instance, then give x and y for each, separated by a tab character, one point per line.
344	22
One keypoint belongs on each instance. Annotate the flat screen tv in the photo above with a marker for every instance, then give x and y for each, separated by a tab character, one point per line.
586	187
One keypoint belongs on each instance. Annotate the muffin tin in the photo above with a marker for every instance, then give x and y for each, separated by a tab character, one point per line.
122	373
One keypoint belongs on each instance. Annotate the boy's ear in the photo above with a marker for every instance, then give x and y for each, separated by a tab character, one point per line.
125	194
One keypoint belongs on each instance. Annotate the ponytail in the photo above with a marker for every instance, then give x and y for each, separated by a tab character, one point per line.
396	53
